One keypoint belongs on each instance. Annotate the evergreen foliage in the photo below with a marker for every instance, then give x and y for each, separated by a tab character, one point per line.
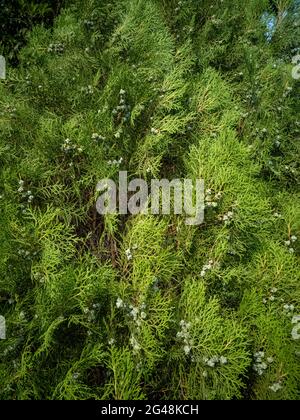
146	307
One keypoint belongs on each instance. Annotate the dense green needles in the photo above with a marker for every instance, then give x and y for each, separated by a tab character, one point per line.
146	307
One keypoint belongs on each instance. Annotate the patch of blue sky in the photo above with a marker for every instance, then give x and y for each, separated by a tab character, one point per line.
270	21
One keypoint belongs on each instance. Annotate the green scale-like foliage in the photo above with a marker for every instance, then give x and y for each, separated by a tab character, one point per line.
145	306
